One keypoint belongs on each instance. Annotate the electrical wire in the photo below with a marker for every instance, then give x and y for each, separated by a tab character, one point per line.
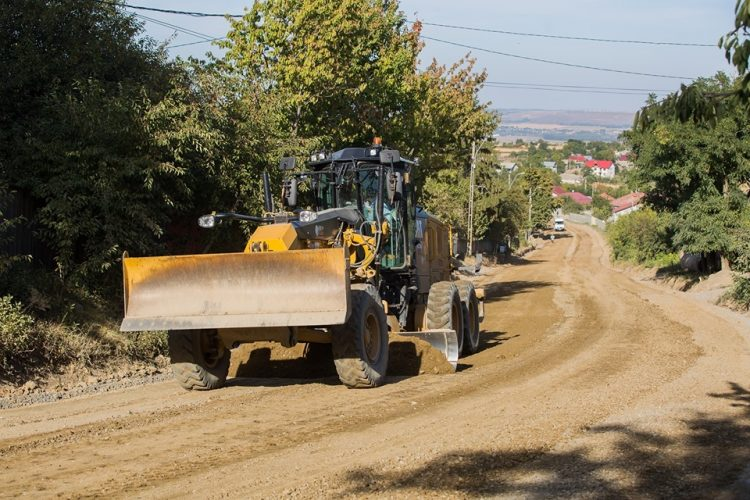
175	27
489	82
564	37
448	42
196	43
427	23
572	91
558	63
169	11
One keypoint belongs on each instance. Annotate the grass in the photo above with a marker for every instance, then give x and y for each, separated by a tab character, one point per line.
46	327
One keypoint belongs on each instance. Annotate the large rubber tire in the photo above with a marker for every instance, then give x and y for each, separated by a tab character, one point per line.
360	346
200	362
444	310
470	304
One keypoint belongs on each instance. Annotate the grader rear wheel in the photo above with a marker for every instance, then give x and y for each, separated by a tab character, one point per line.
444	310
200	362
470	304
360	346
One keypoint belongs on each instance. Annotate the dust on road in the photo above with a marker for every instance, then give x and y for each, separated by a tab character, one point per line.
588	383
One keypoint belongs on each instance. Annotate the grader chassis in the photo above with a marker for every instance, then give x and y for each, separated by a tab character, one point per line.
347	259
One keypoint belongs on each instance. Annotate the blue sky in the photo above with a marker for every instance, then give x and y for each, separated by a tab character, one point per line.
694	21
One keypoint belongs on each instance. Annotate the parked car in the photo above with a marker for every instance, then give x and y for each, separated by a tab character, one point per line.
559	224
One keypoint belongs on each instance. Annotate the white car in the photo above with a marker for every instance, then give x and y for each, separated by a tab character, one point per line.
559	225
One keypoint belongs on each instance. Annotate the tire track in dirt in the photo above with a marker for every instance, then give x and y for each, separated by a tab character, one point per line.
569	347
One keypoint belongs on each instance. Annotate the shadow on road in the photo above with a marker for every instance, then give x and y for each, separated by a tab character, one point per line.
492	339
704	461
503	290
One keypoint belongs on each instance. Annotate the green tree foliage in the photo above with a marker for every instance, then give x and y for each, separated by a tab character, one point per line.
538	184
694	170
448	118
695	102
345	72
343	68
641	237
72	131
601	208
705	224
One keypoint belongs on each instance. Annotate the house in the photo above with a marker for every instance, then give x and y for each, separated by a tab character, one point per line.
576	161
552	165
568	178
577	197
558	191
507	167
601	168
626	204
623	161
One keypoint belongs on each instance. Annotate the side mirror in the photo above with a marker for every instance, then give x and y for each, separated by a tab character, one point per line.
287	163
394	185
389	156
289	195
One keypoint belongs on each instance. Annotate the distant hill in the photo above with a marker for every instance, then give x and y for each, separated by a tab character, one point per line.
561	125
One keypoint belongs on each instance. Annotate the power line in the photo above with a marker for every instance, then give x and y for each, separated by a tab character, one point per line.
559	63
577	86
571	91
170	11
563	37
427	23
196	43
165	24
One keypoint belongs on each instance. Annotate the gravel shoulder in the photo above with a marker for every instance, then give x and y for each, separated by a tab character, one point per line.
589	383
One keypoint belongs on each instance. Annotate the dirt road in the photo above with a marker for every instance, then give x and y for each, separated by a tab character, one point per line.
588	384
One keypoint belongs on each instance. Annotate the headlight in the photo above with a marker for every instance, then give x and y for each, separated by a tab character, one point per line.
207	221
307	216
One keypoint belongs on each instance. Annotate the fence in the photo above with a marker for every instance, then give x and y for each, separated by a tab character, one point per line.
586	219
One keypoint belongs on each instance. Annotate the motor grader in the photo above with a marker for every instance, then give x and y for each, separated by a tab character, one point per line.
345	257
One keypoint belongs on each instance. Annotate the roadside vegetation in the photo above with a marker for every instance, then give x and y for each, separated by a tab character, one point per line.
692	158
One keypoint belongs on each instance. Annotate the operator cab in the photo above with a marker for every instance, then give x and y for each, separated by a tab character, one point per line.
371	182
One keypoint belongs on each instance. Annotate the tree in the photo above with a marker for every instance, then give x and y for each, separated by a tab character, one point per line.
601	208
695	102
695	169
73	137
538	184
343	69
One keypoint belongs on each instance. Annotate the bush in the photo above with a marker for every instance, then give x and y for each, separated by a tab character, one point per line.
641	237
739	294
16	333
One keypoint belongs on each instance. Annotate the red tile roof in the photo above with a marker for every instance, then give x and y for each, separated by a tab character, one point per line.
577	158
606	197
627	201
579	198
558	190
605	164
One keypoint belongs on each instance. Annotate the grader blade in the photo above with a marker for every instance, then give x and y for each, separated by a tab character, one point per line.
236	290
443	341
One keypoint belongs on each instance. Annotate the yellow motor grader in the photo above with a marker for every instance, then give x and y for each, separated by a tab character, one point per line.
347	259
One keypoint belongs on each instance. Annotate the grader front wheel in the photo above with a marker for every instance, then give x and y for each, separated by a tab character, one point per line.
200	361
360	346
444	310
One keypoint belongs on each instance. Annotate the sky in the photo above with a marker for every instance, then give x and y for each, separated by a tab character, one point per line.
543	85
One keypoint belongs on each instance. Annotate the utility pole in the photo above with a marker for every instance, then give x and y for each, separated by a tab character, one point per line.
528	231
474	151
